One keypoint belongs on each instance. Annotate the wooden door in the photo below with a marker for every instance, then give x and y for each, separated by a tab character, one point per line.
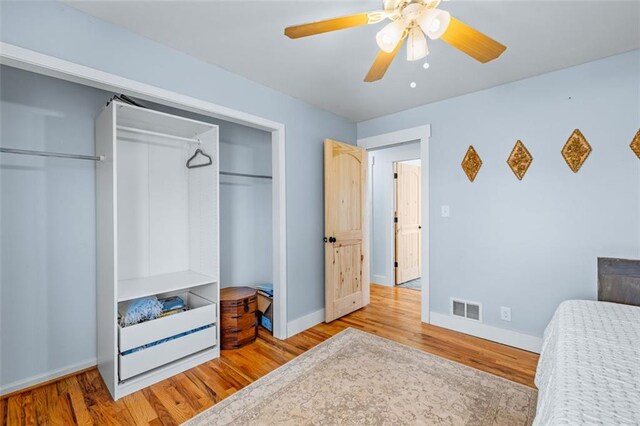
408	227
346	229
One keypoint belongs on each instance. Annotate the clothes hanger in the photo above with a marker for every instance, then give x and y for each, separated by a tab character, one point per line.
199	151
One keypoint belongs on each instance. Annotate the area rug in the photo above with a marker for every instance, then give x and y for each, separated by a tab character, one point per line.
357	378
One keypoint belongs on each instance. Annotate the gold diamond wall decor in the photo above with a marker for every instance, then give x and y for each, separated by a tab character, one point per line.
576	150
471	163
635	144
519	160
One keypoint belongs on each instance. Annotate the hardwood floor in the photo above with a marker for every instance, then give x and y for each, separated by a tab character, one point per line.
393	313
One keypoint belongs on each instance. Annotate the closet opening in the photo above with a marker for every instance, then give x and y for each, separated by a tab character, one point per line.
53	106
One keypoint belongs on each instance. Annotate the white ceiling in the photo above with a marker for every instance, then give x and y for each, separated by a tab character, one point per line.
327	70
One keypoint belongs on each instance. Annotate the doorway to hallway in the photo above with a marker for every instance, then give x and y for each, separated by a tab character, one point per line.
407	223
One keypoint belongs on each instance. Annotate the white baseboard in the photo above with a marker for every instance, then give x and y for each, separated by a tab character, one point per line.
303	323
45	377
489	332
381	279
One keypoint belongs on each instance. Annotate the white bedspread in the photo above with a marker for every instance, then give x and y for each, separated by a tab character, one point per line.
589	368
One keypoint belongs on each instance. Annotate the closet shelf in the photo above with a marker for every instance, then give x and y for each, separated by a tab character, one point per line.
158	284
149	121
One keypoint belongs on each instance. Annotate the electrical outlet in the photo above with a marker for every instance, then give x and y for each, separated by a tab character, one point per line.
505	313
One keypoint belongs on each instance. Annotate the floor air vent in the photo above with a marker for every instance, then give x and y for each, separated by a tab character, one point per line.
466	309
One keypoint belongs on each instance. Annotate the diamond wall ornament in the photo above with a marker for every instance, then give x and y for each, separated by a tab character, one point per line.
576	150
471	163
635	144
519	160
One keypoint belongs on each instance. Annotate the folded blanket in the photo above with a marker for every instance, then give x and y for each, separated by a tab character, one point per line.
139	310
172	303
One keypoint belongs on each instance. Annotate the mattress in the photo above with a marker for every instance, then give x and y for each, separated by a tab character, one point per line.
589	368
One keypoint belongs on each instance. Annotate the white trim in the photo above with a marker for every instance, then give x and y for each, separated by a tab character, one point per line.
39	63
303	323
394	138
489	332
381	280
421	134
279	219
45	377
29	60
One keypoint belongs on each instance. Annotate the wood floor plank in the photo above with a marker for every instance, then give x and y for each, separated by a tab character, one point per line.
61	411
174	402
14	415
394	313
140	409
201	383
3	411
74	393
164	416
190	392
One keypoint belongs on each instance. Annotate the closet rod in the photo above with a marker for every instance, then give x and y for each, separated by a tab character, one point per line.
164	135
246	175
52	154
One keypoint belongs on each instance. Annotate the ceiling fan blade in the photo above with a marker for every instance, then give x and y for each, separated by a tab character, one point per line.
381	64
472	42
327	25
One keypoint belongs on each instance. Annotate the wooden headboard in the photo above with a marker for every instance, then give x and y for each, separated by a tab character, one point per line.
619	281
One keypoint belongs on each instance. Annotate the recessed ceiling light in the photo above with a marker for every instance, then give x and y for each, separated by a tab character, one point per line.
425	65
413	85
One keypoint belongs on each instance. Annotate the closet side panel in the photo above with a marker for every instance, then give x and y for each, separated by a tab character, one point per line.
203	211
168	208
106	225
133	208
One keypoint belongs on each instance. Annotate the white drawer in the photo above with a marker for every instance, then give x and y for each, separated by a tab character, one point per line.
155	356
201	312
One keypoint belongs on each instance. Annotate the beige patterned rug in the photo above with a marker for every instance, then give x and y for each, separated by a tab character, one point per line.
358	378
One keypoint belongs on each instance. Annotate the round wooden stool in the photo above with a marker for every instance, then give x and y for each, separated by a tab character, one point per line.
238	317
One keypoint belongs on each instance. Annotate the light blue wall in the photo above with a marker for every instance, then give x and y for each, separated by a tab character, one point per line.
61	31
246	231
48	226
531	244
381	219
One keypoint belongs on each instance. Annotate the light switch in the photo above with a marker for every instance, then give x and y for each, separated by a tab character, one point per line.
444	211
505	313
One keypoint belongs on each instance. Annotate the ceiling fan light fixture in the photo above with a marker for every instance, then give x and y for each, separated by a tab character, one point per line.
416	45
412	12
434	23
388	37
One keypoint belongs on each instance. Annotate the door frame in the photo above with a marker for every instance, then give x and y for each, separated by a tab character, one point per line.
422	135
39	63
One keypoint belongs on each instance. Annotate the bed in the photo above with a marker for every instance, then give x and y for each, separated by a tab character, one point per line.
589	367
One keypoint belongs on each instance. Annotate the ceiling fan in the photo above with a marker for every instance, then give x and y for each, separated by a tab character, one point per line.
411	20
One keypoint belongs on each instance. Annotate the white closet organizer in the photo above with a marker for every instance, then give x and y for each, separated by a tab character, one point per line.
157	233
